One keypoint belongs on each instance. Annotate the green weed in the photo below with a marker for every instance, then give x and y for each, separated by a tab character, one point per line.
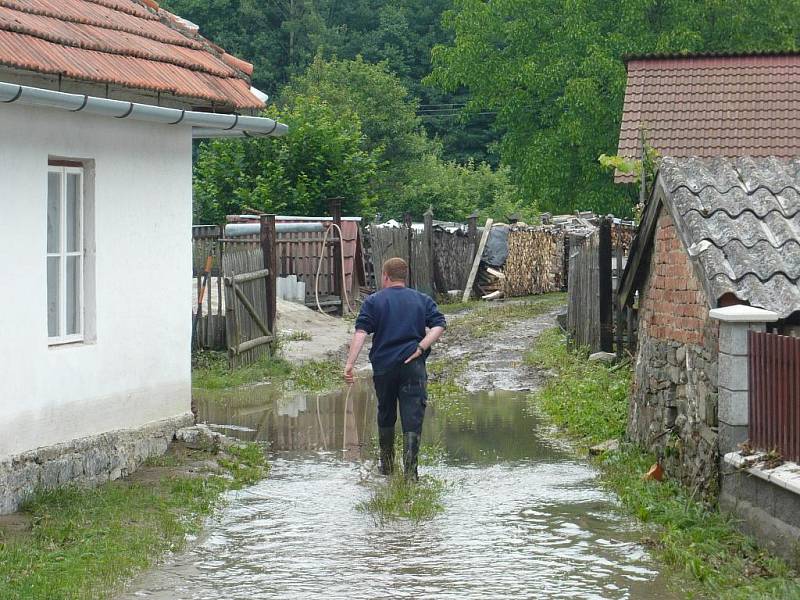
488	318
211	371
589	401
402	499
85	543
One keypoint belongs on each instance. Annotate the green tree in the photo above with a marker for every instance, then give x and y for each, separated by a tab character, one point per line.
387	113
279	37
553	72
321	157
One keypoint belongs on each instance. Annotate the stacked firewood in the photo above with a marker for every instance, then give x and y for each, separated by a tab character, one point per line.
535	261
490	282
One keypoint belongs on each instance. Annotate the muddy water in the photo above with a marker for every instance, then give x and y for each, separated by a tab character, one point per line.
522	518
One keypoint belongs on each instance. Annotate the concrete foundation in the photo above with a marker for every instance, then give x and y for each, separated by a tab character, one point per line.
87	461
767	512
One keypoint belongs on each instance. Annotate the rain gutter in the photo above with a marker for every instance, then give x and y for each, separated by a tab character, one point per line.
204	125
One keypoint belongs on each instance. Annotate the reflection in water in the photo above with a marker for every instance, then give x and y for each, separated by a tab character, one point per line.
522	520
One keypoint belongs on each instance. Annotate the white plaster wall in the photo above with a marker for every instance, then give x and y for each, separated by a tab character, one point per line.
137	370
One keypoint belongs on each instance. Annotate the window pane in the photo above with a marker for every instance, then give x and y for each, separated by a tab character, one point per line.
73	295
53	313
73	212
53	211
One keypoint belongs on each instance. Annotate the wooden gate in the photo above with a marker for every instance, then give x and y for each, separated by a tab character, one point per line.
247	306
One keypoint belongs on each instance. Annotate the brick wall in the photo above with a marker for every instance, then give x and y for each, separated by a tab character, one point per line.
673	410
674	306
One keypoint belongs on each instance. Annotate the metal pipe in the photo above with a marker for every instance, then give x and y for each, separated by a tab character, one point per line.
203	124
241	229
296	218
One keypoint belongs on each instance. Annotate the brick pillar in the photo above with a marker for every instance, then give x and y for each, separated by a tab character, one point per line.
735	322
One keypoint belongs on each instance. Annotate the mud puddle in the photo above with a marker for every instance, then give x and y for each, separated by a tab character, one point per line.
522	519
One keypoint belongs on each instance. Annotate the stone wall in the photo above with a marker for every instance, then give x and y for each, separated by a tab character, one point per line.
673	408
85	461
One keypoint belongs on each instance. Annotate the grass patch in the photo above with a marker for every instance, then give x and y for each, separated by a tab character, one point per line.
211	371
401	499
589	401
298	335
85	543
488	318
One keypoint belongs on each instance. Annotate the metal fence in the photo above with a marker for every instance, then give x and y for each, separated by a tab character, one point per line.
774	393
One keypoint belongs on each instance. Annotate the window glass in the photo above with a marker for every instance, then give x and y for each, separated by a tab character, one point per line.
73	215
53	212
73	298
53	311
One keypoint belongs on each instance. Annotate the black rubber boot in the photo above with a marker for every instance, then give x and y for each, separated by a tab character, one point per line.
386	442
410	455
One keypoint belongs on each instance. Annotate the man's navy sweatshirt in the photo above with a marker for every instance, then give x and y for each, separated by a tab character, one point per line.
397	318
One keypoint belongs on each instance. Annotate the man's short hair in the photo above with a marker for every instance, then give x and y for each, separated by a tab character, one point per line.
396	269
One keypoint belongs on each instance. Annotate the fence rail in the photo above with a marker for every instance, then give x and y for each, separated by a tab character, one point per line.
774	393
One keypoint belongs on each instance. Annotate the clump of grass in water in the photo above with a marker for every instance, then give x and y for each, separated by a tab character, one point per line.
403	499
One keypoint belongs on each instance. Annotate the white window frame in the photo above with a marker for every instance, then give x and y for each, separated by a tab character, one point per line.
62	254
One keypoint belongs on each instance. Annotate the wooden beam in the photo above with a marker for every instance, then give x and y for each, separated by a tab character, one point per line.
477	260
335	208
604	281
268	250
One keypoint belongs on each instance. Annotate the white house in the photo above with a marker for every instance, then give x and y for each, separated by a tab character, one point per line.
99	103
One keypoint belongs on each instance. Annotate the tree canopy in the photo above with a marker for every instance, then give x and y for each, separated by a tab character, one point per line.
553	71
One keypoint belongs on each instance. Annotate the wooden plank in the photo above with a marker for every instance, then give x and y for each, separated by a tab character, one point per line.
251	309
270	263
477	260
255	343
619	311
605	312
247	277
335	208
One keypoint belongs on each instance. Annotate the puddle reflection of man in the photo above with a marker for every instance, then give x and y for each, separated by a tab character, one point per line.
404	324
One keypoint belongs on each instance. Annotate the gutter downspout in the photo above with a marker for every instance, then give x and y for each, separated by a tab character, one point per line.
204	125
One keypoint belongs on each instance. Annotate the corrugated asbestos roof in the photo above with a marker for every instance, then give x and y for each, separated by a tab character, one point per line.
740	220
713	106
129	43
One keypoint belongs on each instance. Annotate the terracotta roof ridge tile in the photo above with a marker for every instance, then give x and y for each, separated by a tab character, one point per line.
179	40
224	69
126	7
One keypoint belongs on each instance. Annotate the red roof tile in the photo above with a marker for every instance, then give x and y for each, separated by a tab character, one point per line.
122	42
713	106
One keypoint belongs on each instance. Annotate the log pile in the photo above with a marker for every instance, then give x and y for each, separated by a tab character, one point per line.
490	282
535	261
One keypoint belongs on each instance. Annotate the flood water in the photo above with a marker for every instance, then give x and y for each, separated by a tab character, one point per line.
522	518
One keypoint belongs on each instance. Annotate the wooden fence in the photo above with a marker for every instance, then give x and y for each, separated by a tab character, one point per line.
774	393
596	262
248	303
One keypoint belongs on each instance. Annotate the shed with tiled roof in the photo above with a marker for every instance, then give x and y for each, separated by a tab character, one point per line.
743	105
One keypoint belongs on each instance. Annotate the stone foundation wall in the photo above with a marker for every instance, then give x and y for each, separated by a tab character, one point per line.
673	408
86	461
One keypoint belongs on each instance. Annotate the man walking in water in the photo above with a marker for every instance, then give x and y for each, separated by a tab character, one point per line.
405	324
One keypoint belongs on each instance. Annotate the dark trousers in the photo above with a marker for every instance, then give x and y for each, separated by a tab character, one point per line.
405	385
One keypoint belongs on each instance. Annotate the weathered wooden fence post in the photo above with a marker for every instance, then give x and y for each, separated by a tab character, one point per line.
409	239
335	208
619	310
428	245
268	249
472	235
604	272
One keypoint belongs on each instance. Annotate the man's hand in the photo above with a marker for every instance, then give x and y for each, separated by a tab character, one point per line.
349	377
415	356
